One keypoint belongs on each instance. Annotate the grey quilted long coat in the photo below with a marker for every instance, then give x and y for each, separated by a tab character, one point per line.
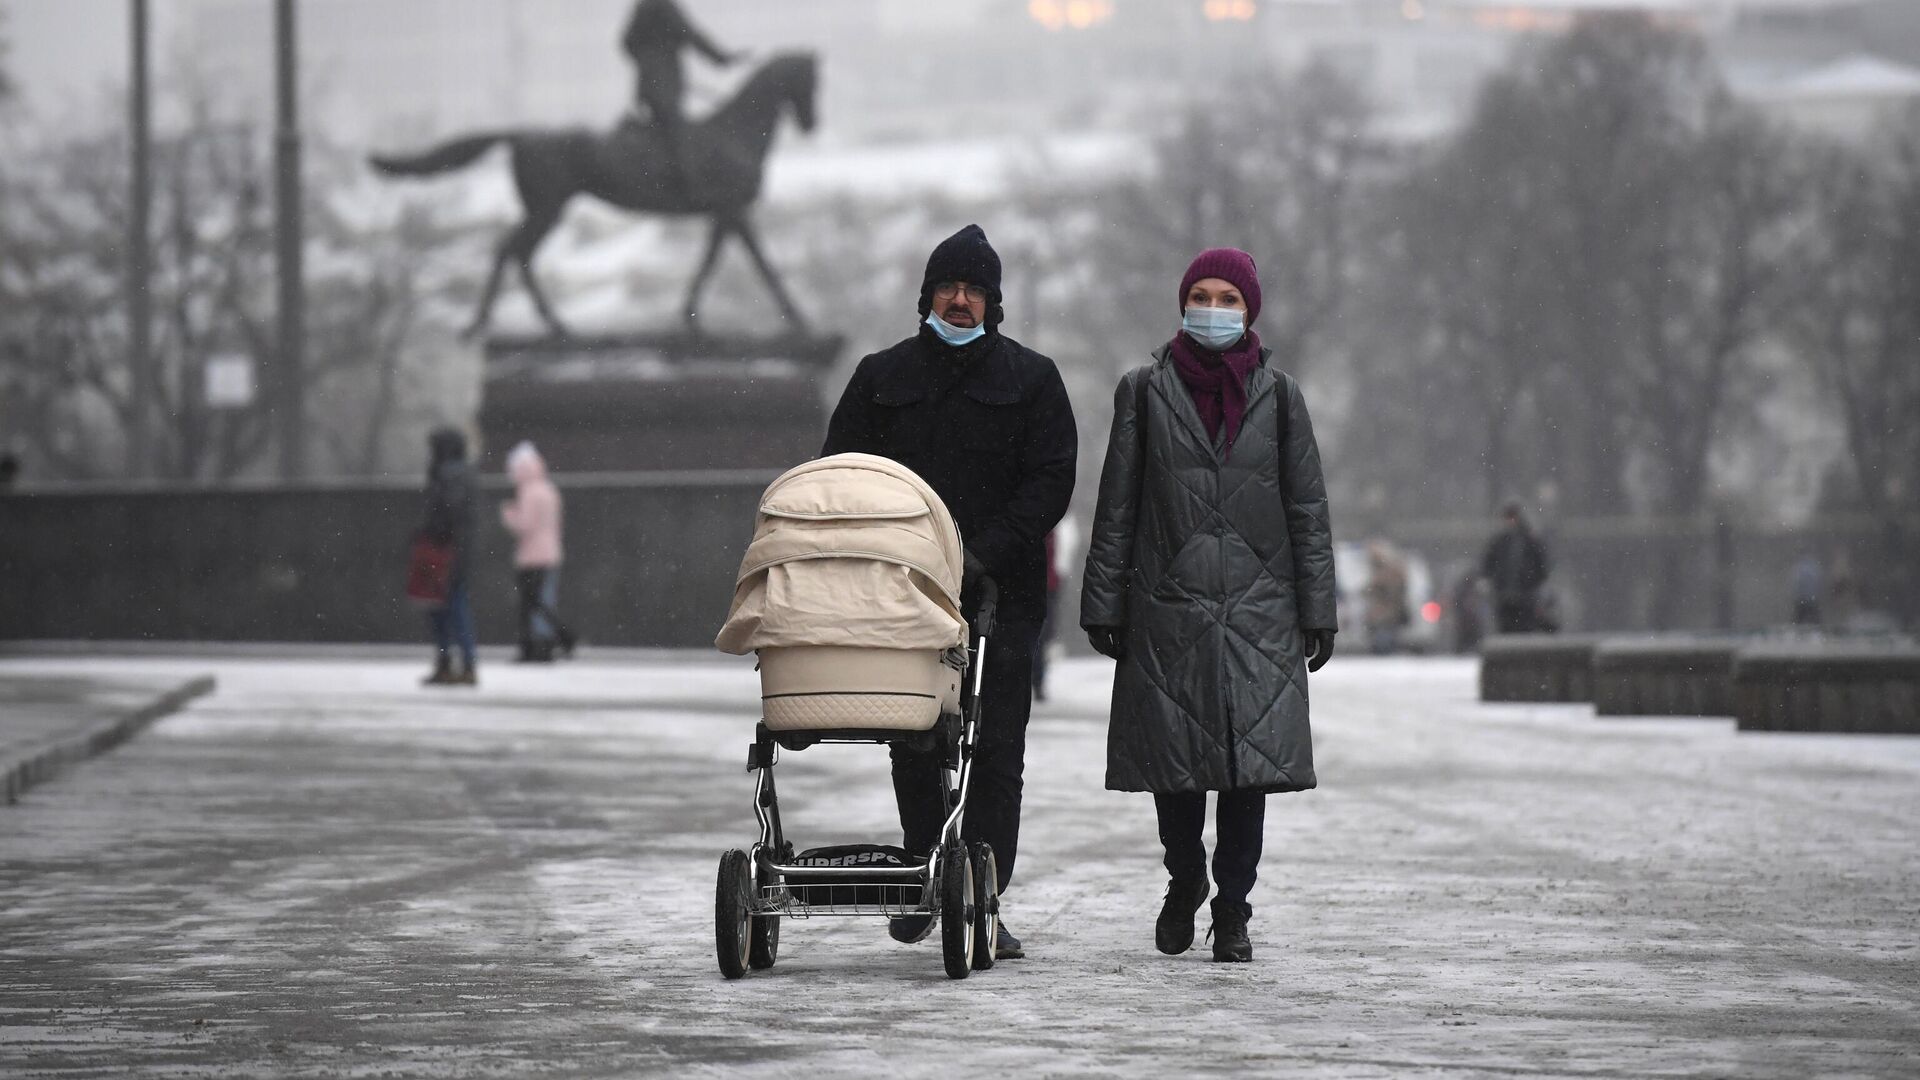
1214	568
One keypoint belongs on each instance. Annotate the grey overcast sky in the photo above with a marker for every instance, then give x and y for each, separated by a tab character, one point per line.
64	50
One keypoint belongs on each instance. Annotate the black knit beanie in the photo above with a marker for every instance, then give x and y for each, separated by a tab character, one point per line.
965	256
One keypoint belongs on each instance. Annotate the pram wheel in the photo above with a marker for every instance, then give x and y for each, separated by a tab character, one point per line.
956	910
765	946
986	905
733	913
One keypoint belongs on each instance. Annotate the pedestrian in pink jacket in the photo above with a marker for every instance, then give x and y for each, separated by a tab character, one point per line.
533	516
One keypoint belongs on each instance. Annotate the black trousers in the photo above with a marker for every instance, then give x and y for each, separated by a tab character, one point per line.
536	604
999	759
1040	642
1516	615
1239	818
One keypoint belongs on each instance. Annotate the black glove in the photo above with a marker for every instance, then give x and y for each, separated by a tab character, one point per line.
1108	641
972	571
1319	648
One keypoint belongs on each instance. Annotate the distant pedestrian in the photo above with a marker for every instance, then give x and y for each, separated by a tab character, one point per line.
9	470
1384	599
1807	589
448	522
1843	592
1515	566
1469	604
534	515
1209	577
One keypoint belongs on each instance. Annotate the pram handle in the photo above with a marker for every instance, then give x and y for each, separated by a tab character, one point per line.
984	615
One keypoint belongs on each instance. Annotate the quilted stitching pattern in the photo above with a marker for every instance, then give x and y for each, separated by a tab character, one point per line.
831	712
1213	566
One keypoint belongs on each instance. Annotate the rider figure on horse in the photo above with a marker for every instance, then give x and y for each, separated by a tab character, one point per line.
655	36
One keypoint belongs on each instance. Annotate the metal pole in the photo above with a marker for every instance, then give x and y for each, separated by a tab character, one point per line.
1723	572
290	366
139	253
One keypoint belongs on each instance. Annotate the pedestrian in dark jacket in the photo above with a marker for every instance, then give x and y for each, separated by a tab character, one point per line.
986	423
1209	577
1515	566
449	521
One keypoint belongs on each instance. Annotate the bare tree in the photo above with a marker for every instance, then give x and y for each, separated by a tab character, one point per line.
1703	299
1277	178
1620	108
62	337
6	47
1451	363
1856	320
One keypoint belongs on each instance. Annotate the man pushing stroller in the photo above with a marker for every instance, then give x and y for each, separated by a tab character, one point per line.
987	424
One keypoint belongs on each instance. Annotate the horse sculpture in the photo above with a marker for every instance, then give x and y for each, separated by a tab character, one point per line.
727	155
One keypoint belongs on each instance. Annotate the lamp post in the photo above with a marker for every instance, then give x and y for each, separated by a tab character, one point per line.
139	252
290	364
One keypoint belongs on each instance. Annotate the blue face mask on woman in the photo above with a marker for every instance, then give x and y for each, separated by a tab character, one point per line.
1215	328
954	335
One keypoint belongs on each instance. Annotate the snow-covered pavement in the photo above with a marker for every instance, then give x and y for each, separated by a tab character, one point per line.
322	869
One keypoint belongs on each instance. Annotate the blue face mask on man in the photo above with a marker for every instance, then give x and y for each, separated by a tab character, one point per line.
1214	328
954	335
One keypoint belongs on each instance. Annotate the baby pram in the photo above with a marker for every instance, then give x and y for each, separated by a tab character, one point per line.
850	595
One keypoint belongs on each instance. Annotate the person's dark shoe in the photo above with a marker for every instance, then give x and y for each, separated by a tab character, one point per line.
442	673
910	929
1229	933
1173	930
567	642
469	677
1005	945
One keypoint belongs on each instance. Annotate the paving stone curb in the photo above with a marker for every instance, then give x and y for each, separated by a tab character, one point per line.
23	771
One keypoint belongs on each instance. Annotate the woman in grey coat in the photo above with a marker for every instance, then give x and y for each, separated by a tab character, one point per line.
1209	577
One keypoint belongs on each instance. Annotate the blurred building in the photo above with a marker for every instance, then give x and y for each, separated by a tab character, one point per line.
1851	98
376	69
895	71
898	71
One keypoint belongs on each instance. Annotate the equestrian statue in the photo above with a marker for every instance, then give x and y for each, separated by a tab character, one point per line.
664	165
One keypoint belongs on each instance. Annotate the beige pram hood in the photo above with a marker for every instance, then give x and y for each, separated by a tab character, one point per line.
851	550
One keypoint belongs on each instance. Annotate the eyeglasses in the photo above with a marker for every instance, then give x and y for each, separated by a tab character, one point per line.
947	290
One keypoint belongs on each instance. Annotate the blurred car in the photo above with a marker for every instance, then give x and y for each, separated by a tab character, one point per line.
1425	608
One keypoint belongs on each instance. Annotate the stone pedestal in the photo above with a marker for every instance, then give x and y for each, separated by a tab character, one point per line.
1833	687
1672	676
1537	667
656	402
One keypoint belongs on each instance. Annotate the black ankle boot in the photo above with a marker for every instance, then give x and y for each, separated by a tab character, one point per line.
1173	930
1229	933
441	675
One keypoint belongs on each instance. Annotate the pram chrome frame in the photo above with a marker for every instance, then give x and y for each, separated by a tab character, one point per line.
913	890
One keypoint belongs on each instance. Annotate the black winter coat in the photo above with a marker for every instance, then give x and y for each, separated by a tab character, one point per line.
1515	565
449	512
988	426
1214	568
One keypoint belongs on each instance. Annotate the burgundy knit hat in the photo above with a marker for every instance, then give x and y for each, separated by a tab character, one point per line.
1227	264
